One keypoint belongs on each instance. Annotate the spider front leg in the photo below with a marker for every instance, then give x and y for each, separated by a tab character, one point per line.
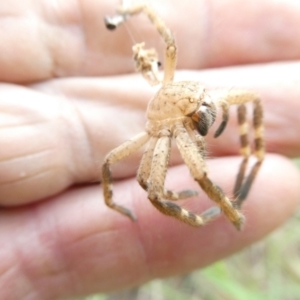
171	51
156	188
193	159
145	169
242	186
112	157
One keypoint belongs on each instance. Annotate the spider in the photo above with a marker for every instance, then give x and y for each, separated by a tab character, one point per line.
183	111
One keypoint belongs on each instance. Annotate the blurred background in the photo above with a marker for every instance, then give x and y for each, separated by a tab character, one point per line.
267	270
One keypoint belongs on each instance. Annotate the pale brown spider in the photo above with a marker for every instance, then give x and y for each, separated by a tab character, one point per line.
183	111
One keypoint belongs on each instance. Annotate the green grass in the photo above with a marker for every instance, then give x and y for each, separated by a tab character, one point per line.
268	270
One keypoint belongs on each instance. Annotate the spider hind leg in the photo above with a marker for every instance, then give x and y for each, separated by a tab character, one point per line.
112	157
243	184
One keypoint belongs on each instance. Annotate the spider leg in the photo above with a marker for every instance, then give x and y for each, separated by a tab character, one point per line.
242	186
156	190
241	189
163	30
245	148
145	169
195	162
145	164
112	157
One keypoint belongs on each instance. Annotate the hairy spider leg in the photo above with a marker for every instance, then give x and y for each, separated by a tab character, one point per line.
145	164
114	156
193	159
241	189
145	169
242	186
156	189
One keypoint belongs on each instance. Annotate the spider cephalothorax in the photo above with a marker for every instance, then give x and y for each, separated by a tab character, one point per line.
182	111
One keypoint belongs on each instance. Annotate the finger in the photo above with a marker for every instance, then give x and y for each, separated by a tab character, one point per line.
35	136
55	140
236	32
49	142
277	84
61	138
58	40
77	246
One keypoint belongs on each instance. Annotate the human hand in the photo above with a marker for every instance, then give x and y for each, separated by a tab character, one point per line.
68	97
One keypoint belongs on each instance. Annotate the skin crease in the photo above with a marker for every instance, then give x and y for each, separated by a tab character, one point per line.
69	95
